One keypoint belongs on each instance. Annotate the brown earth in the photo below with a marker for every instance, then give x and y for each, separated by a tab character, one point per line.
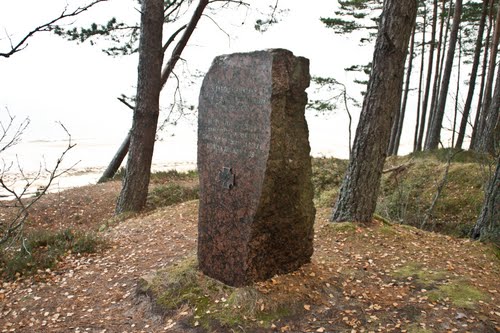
377	278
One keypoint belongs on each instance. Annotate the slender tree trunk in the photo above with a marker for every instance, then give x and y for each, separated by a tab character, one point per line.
359	190
420	80
435	130
401	119
135	185
473	76
490	78
423	116
487	142
475	126
117	160
457	92
488	223
437	73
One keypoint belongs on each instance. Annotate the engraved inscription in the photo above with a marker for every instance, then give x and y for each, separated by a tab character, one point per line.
227	178
219	94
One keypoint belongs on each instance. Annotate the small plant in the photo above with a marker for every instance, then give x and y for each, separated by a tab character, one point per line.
42	249
166	195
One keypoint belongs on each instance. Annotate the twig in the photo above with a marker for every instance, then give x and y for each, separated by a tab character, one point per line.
399	168
16	225
22	44
428	213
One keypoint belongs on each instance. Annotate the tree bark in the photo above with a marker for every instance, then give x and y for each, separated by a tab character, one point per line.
135	185
423	116
117	160
435	129
401	118
360	187
457	91
473	77
487	142
489	82
484	71
488	223
437	73
420	81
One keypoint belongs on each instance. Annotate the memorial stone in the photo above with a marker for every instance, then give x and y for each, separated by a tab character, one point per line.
256	211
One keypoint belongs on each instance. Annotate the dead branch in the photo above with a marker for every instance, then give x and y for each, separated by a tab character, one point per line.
442	183
176	53
49	26
6	130
399	168
14	227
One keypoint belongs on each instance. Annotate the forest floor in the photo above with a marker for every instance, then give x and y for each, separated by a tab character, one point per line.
377	278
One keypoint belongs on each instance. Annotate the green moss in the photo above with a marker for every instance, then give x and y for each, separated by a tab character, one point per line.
459	293
212	303
387	230
416	328
382	219
421	275
326	198
327	175
336	227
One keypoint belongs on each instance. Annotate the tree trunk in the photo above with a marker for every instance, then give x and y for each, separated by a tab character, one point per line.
423	116
488	223
475	127
397	117
358	194
435	130
401	118
135	185
457	92
487	142
473	76
489	80
420	80
437	74
117	160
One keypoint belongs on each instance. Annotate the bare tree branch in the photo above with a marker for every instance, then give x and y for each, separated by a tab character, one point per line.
12	228
23	43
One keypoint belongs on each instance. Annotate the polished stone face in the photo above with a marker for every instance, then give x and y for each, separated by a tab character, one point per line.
256	211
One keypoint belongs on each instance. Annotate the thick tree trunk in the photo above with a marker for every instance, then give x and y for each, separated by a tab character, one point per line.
487	141
135	185
435	129
420	80
479	110
473	76
423	116
358	194
488	223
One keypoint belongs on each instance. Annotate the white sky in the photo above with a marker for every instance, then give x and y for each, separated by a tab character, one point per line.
56	80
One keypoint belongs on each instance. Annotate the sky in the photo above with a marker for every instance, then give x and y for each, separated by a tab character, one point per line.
54	80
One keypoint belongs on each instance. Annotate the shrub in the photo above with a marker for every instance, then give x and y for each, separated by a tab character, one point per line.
42	249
